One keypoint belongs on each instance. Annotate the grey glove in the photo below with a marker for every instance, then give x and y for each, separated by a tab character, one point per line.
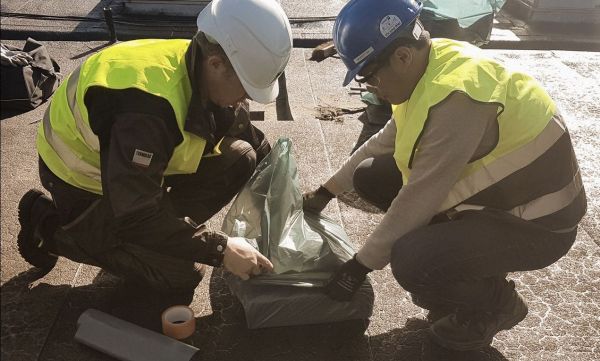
317	200
14	58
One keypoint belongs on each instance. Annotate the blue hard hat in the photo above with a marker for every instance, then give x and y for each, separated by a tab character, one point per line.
363	28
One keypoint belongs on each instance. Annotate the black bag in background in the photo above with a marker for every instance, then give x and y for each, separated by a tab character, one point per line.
26	87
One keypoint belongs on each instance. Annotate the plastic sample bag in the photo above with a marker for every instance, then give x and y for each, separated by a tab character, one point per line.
304	248
268	212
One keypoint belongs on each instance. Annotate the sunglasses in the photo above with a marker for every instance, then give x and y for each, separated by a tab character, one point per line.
369	77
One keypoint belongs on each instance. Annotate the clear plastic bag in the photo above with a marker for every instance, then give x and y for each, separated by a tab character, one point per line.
304	248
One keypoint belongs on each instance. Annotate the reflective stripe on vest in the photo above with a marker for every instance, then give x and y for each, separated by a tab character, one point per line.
66	141
65	153
487	175
90	138
58	138
528	129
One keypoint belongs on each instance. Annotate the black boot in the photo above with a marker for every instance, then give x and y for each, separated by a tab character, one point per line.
474	329
34	210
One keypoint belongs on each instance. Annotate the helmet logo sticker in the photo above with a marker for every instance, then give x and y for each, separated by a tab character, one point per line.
417	30
363	55
389	24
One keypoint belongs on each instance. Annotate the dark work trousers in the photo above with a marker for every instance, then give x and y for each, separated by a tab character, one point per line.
87	224
459	262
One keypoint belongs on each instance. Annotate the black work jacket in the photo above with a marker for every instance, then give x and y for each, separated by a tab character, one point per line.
132	119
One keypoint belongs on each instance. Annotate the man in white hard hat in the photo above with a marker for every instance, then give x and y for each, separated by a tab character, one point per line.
149	138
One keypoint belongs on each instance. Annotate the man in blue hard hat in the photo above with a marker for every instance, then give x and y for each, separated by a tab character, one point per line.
475	171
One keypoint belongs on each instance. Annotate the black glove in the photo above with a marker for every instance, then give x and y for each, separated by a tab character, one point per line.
347	280
316	201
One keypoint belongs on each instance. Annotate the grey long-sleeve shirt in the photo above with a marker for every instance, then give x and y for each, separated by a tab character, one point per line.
458	130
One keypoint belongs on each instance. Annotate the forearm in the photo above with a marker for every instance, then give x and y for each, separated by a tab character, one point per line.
159	230
414	207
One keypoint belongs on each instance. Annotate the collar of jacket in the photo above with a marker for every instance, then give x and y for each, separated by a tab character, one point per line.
200	119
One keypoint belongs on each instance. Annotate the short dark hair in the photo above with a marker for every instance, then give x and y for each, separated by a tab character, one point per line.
209	47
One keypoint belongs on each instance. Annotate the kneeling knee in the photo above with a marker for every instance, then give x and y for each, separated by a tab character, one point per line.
239	155
185	282
405	266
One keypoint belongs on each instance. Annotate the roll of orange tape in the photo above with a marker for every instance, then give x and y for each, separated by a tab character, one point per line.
178	322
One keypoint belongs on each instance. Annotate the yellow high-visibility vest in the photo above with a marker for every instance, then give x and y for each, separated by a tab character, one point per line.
66	142
527	126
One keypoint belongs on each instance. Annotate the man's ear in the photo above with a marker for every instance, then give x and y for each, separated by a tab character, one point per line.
402	58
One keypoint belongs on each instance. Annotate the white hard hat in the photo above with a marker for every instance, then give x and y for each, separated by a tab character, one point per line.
257	38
